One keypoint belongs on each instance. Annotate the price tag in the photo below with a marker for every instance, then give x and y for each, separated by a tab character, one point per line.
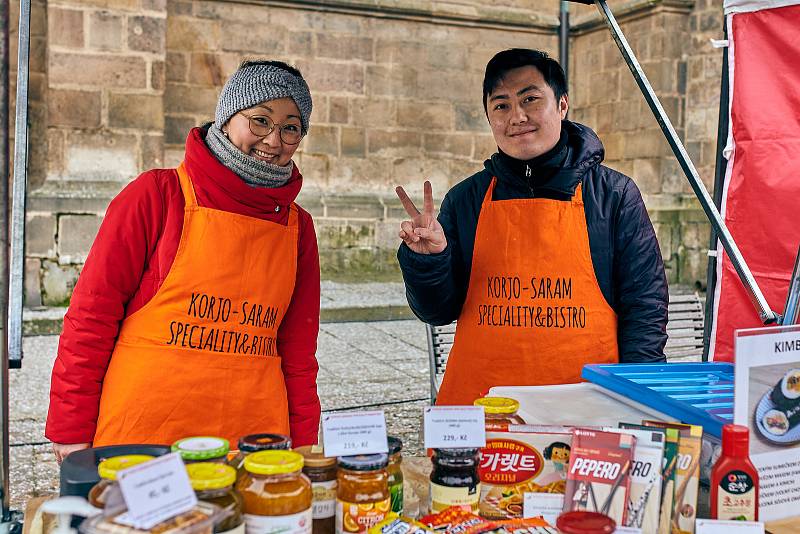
155	491
547	505
713	526
350	433
448	427
626	530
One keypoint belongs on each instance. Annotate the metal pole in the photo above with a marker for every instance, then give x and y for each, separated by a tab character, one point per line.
719	183
754	292
4	285
17	263
563	38
791	313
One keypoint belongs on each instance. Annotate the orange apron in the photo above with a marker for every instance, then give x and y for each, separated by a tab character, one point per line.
200	358
534	313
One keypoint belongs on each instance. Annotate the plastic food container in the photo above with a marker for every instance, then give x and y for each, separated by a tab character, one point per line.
199	520
585	523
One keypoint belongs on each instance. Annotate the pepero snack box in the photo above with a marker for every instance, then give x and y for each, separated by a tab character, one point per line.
526	459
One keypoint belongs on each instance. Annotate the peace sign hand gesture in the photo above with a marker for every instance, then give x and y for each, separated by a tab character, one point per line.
423	234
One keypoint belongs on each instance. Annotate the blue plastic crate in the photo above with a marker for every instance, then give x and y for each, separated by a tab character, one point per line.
695	393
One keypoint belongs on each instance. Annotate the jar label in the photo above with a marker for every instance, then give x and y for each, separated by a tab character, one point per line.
736	497
235	530
396	495
359	518
324	505
444	496
279	524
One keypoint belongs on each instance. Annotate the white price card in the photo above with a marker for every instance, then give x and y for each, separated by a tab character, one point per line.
452	427
714	526
350	433
155	491
546	505
627	530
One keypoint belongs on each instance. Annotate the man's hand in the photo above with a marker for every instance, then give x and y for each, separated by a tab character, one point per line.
62	450
423	234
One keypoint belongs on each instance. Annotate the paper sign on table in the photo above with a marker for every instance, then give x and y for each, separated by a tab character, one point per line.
627	530
155	491
452	427
350	433
713	526
546	505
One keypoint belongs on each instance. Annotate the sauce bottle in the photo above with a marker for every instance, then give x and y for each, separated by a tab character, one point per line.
734	479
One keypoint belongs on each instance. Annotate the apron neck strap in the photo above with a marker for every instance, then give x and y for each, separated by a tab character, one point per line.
189	197
577	198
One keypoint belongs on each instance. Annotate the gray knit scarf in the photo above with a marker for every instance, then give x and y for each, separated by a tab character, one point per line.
254	172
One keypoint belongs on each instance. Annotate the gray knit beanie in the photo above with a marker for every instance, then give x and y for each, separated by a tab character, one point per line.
254	83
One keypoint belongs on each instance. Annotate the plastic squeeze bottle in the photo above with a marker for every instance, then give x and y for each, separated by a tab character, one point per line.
734	479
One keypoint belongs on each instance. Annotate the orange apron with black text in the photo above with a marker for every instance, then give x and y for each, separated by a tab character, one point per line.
534	313
200	358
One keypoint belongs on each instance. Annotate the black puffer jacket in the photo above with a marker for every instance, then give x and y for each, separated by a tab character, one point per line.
625	253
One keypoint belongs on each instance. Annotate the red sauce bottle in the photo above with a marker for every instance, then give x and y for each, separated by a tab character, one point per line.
734	479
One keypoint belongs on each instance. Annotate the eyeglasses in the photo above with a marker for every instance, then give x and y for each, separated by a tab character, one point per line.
262	126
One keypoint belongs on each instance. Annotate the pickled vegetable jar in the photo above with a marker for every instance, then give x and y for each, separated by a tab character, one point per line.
395	471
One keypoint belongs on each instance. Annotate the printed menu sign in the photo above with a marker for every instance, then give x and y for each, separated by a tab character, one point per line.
452	427
767	401
351	433
155	491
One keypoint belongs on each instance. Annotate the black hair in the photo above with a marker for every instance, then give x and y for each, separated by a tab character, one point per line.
515	58
280	64
548	452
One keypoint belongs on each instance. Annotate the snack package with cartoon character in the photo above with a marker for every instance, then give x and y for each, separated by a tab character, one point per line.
514	463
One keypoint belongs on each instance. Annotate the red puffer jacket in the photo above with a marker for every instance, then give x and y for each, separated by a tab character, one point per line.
130	259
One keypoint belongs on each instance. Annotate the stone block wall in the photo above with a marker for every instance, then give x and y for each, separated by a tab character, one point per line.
117	84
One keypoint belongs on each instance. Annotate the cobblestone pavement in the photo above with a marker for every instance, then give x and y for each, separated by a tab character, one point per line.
381	364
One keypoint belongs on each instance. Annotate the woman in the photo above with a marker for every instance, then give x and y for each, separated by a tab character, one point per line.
197	310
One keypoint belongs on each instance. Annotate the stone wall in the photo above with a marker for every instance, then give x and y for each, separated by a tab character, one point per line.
396	86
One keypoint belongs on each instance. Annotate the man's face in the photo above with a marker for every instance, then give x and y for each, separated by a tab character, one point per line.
524	115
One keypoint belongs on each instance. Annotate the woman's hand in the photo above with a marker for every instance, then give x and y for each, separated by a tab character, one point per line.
62	450
423	234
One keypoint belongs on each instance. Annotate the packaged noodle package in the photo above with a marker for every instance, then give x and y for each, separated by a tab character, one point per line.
687	475
514	463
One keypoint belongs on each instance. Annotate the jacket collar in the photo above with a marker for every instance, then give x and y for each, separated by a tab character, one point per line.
584	150
209	174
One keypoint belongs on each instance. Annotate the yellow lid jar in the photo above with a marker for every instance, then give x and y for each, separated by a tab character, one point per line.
277	495
500	413
213	483
107	469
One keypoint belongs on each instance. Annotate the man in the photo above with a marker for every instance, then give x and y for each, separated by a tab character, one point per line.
547	259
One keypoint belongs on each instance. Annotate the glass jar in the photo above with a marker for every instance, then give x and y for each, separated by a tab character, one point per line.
107	469
395	471
362	498
202	449
500	412
454	479
258	442
277	495
213	483
322	473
